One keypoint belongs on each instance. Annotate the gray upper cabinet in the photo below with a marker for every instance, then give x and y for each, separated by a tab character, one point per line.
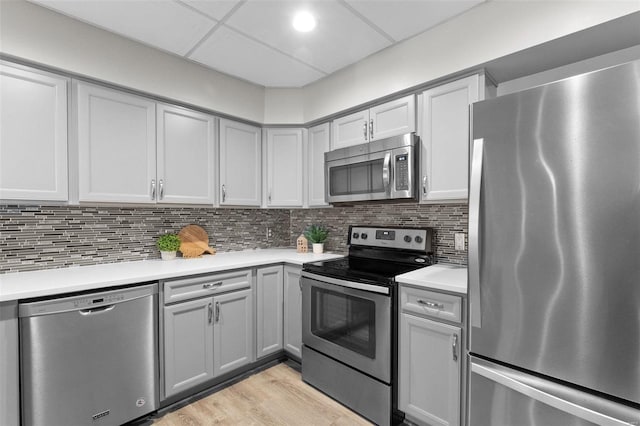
445	134
284	181
185	151
116	146
381	121
240	164
350	130
292	311
319	143
33	135
269	304
124	157
393	118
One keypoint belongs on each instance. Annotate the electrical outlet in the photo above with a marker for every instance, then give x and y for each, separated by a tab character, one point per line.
459	242
269	233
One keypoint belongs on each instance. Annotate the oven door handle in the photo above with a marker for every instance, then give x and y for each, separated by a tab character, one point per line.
348	284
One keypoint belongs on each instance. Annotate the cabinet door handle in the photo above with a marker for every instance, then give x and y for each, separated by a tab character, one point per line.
454	347
224	193
210	312
153	189
269	197
217	312
161	189
424	185
430	304
371	129
364	129
209	286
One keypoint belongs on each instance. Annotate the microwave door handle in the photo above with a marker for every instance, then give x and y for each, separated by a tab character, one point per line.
386	171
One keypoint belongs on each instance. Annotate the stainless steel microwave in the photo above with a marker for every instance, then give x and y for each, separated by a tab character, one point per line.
379	170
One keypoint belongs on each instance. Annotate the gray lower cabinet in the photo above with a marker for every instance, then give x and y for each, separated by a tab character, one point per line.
9	372
232	331
430	358
188	345
212	326
208	326
269	293
292	311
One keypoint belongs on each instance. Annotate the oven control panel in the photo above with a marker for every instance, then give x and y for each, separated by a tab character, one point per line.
397	238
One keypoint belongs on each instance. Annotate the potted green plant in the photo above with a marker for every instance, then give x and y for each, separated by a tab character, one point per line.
168	245
316	234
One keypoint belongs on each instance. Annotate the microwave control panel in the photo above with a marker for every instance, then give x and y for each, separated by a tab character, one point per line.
402	172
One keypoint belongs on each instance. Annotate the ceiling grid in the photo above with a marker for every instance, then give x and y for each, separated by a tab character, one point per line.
253	40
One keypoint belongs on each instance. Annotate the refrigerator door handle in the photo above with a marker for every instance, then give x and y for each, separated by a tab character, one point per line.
475	180
545	396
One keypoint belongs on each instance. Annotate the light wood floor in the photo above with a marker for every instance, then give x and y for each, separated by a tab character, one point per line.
276	396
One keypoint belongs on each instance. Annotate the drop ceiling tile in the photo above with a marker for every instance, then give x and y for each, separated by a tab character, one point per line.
230	52
165	24
340	38
216	9
402	19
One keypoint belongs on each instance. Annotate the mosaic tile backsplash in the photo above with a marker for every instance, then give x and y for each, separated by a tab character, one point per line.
446	219
44	237
54	237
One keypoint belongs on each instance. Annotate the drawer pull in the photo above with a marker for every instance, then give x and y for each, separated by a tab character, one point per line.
429	304
209	286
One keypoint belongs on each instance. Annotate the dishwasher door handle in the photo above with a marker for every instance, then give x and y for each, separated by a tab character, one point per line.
98	310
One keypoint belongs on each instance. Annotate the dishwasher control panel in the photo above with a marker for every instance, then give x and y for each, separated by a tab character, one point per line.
84	300
96	300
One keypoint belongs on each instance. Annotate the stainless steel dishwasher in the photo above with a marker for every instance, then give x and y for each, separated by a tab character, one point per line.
89	358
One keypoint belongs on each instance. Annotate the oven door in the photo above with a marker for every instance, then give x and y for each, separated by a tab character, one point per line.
348	323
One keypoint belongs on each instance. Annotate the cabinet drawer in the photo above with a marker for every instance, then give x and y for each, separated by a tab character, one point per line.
193	287
431	304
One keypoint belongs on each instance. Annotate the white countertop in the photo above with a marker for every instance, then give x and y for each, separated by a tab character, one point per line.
438	277
22	285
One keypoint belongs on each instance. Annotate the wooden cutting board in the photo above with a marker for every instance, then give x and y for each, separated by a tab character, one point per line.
194	241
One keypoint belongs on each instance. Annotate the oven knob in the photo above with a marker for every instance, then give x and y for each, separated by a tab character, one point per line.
355	235
407	239
418	239
363	236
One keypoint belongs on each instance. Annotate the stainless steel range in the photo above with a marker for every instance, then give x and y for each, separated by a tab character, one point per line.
349	317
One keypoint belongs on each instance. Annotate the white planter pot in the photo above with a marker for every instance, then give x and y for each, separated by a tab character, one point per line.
168	255
318	248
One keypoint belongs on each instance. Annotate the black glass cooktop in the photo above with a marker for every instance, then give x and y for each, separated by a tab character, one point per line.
350	268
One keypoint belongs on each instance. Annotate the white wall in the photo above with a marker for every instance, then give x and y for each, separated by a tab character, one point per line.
283	106
487	32
37	34
581	67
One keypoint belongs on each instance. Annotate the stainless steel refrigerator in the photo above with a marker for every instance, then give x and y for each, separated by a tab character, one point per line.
554	254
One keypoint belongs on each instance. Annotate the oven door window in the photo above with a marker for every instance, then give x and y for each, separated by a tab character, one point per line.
344	320
359	178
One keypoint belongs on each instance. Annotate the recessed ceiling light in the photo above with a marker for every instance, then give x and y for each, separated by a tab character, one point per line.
304	22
